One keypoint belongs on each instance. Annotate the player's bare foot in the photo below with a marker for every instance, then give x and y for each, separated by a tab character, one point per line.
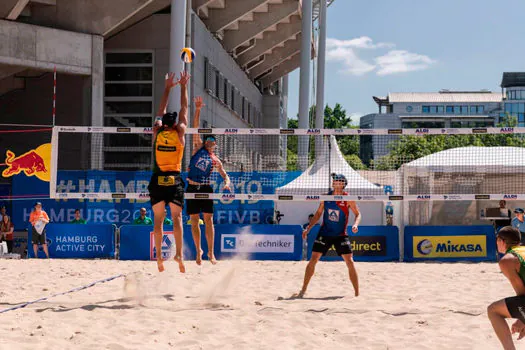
212	259
178	259
198	260
160	265
356	293
299	295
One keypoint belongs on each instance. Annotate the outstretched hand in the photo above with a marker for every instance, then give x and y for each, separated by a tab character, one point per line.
184	78
198	102
170	81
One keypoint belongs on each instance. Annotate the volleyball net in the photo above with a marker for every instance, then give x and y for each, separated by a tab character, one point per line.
296	164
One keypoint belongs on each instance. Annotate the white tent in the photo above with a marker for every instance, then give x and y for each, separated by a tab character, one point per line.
462	170
316	180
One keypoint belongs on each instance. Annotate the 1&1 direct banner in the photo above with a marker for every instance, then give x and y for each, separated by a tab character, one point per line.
77	241
371	243
450	243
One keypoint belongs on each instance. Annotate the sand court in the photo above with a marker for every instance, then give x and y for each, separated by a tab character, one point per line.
246	305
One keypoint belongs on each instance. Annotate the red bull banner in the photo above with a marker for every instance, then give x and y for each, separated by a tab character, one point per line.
36	162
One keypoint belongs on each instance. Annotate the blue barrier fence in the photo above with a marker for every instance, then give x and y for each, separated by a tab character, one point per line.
371	243
450	243
77	241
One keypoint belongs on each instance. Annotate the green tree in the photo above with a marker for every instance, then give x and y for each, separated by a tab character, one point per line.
334	118
408	148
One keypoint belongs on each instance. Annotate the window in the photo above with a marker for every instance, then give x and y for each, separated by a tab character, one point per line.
233	97
450	109
433	109
128	102
464	109
217	83
521	107
440	109
426	109
473	110
226	91
457	110
481	109
521	117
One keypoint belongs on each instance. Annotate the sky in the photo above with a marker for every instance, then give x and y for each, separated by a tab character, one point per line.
380	46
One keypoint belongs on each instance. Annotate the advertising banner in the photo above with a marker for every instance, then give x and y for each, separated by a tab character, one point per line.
77	241
450	243
371	243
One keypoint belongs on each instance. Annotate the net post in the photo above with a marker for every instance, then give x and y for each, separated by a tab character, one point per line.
54	162
329	162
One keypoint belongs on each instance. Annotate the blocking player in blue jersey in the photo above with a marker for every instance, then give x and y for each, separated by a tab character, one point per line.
333	232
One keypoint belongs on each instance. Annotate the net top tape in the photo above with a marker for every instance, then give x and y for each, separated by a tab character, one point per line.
246	131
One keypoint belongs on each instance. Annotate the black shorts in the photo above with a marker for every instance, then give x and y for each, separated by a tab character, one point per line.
197	206
516	307
38	239
341	244
166	187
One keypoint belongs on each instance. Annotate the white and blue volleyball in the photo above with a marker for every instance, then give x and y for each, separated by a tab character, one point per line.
187	54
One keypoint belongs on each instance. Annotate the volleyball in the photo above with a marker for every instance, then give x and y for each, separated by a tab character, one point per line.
187	54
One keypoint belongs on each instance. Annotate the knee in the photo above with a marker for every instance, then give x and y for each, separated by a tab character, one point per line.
194	219
176	217
350	262
208	220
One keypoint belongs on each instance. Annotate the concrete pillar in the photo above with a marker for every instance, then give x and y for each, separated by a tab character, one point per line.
321	59
304	81
177	42
97	101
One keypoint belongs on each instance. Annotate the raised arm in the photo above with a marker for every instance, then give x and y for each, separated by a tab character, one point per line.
183	113
197	140
169	83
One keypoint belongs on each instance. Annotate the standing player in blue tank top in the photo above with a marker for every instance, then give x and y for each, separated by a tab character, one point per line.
202	164
333	233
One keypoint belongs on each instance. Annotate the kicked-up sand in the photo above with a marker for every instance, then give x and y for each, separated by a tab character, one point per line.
246	305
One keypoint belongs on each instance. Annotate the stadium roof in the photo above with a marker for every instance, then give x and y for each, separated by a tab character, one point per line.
443	96
263	36
457	159
513	79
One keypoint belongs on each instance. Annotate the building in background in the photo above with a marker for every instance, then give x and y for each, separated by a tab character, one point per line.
111	58
443	109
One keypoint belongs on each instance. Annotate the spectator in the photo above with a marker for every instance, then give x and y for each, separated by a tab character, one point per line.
519	223
506	213
143	219
6	232
78	219
167	220
310	219
3	212
39	220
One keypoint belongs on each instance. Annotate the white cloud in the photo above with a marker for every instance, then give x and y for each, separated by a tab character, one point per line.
352	64
362	42
401	61
395	61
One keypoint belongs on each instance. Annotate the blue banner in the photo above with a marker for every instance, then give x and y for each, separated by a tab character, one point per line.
371	243
77	241
450	243
254	242
123	212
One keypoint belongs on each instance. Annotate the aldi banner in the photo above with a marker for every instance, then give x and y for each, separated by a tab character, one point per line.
450	243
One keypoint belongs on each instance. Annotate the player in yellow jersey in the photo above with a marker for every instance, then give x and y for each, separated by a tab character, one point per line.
166	186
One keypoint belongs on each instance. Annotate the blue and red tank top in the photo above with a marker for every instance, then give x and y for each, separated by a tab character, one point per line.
335	218
201	166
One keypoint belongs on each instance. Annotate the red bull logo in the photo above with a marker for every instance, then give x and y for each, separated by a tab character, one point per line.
36	162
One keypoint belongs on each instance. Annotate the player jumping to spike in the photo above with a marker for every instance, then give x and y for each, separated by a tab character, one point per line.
333	233
202	163
166	185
